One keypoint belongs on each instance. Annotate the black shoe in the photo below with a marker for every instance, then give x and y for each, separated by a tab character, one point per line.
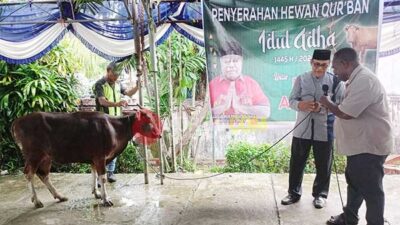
290	199
338	220
111	177
319	202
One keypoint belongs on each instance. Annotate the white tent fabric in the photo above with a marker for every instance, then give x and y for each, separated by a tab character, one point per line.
388	66
33	47
193	33
390	39
112	47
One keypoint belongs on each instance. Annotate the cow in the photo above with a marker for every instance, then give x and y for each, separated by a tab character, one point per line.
81	137
361	38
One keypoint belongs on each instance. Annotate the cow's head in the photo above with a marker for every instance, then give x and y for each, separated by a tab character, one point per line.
351	33
146	127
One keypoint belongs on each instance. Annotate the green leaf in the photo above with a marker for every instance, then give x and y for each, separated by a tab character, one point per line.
33	89
4	101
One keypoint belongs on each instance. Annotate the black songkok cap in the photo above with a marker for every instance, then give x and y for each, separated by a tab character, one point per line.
230	48
322	54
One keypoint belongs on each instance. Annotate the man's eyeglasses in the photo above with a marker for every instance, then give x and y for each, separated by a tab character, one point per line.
317	64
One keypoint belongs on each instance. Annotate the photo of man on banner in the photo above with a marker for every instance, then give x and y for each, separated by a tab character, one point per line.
233	93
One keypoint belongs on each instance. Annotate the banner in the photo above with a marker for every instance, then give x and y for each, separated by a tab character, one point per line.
264	45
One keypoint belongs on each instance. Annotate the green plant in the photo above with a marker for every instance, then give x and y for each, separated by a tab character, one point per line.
187	165
129	161
265	160
71	168
25	89
216	169
188	63
339	162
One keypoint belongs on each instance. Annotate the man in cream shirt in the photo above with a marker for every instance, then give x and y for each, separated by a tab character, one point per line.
363	133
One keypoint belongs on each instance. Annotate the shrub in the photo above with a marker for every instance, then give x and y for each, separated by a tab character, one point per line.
25	89
129	161
249	158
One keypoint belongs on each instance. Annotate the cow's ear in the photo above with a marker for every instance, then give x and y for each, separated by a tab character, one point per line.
137	114
347	28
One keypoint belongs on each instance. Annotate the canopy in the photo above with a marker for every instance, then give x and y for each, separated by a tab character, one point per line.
29	30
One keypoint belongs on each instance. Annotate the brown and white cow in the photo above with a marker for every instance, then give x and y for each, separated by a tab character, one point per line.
81	137
361	38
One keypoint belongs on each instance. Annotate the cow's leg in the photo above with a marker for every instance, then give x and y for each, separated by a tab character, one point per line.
101	172
30	174
43	173
95	191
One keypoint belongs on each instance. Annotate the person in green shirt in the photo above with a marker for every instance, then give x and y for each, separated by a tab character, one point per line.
108	92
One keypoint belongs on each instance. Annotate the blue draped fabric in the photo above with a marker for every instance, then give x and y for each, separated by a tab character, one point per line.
191	12
122	29
25	42
26	12
33	40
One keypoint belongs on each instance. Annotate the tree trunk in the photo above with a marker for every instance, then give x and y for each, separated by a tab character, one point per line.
195	121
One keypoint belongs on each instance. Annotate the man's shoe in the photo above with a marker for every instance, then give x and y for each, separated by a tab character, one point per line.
338	220
290	199
319	202
111	177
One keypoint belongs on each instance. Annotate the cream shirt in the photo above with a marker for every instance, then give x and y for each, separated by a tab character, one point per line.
370	131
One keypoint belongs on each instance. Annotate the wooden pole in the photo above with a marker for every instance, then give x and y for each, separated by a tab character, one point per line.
139	70
171	108
154	70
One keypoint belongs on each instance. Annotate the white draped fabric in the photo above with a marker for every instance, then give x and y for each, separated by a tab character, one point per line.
35	47
390	39
193	33
111	47
388	65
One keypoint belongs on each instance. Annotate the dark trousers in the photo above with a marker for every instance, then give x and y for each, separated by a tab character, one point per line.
323	162
364	175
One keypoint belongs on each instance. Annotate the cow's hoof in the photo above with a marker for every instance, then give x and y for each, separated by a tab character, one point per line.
107	203
62	198
97	194
38	204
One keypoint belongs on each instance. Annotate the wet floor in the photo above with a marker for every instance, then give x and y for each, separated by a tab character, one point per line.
227	199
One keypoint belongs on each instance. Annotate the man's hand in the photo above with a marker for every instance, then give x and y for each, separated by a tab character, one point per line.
317	107
309	106
324	100
224	102
133	90
122	103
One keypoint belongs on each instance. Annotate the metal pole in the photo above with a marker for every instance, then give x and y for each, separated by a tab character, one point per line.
64	21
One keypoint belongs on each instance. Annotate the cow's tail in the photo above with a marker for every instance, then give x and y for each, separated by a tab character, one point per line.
13	130
14	134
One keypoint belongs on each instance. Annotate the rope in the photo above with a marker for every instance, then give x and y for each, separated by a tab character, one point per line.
218	174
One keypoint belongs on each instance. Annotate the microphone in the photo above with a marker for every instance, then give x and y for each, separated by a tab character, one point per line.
325	89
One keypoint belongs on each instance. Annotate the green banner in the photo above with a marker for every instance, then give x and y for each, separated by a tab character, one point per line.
276	40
